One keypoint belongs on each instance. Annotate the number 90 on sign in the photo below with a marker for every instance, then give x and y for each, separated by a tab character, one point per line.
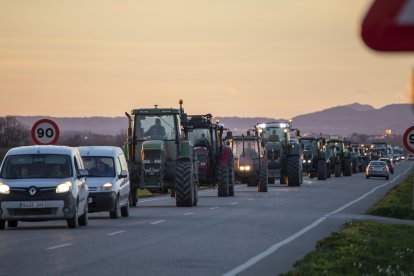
45	132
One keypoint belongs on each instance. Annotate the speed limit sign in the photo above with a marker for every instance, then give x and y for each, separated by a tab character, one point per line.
408	139
45	132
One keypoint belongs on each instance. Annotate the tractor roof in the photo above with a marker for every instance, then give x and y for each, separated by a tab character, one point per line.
155	111
199	121
245	137
309	138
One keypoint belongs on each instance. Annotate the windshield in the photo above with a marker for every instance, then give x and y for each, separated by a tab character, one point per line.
308	144
99	166
250	148
37	166
155	127
199	136
377	163
274	134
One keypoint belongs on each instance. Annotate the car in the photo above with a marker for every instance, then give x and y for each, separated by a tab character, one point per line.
40	183
390	164
377	169
108	180
410	157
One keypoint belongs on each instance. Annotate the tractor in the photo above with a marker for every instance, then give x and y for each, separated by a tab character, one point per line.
284	156
315	161
360	158
340	158
250	160
215	159
160	156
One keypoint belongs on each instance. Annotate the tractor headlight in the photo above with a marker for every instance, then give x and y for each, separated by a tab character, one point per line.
247	168
202	163
242	168
64	187
309	161
304	161
107	187
4	189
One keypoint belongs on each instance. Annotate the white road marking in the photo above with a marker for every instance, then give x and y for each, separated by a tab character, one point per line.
116	233
59	246
158	221
214	208
272	249
187	214
235	203
250	199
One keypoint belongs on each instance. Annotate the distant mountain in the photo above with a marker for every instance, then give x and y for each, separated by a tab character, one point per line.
346	119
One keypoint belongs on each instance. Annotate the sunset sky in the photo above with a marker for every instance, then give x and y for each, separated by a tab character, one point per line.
274	58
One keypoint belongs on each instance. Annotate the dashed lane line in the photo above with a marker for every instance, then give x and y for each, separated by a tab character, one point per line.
59	246
158	221
188	214
116	233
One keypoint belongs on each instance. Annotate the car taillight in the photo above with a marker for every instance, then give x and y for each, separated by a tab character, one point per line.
370	168
385	169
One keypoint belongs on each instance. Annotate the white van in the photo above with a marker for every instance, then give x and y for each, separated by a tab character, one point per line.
43	183
108	180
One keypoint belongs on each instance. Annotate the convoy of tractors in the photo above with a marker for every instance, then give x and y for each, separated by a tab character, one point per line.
172	152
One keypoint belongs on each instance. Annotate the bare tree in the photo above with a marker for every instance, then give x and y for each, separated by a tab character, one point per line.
12	132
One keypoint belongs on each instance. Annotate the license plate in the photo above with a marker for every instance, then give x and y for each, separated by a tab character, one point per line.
28	205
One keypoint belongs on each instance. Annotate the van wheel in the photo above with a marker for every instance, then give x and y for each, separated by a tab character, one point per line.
73	221
115	213
125	210
12	223
2	224
83	220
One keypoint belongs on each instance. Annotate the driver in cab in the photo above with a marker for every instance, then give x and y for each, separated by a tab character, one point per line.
156	130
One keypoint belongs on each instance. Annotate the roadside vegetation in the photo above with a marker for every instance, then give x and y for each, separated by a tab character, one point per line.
362	248
368	248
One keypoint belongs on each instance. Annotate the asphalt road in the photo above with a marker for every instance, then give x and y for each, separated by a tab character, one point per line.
249	234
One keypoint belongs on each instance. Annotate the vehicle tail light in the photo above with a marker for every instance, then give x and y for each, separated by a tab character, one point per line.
370	168
385	169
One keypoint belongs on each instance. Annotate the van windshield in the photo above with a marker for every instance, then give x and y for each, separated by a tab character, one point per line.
37	166
99	166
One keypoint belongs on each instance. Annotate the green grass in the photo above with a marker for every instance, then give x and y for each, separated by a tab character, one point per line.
362	248
397	203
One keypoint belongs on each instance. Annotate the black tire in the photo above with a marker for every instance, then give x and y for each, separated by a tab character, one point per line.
262	187
184	184
355	167
195	194
232	181
271	180
116	212
367	176
83	220
337	170
328	170
347	167
2	224
73	221
392	171
322	170
133	197
293	171
125	210
387	178
12	223
223	180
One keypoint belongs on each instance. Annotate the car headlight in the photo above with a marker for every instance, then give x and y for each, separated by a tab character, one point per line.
202	163
304	161
106	187
247	168
242	168
64	187
309	161
4	189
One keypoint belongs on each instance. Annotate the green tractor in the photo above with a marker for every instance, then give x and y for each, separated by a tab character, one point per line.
160	156
284	156
360	157
340	157
315	160
215	158
250	160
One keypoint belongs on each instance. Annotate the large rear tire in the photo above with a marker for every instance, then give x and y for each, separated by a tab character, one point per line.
293	171
347	167
184	184
262	187
223	180
322	170
232	181
337	170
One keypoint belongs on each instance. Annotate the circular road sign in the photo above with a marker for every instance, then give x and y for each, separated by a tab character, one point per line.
408	139
45	132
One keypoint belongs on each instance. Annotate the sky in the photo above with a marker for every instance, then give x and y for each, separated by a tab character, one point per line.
248	58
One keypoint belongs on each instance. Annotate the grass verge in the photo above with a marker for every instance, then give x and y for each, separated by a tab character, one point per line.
397	203
362	248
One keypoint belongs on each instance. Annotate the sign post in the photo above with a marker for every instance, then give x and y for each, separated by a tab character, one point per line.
408	140
45	132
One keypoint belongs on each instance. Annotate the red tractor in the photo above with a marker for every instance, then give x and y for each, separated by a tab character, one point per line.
215	160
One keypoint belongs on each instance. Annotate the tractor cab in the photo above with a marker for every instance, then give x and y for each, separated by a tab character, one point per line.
275	131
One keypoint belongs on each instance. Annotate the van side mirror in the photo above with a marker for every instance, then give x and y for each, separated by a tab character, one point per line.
82	173
124	174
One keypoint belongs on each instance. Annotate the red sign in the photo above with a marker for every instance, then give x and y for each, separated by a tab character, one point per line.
408	139
389	26
45	132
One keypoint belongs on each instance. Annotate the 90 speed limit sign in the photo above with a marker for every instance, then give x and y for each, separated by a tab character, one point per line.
45	132
408	139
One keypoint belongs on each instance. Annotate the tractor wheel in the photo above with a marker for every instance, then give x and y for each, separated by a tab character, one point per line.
184	184
328	170
293	171
251	182
347	167
355	167
223	180
322	171
337	170
271	180
262	187
133	197
232	181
